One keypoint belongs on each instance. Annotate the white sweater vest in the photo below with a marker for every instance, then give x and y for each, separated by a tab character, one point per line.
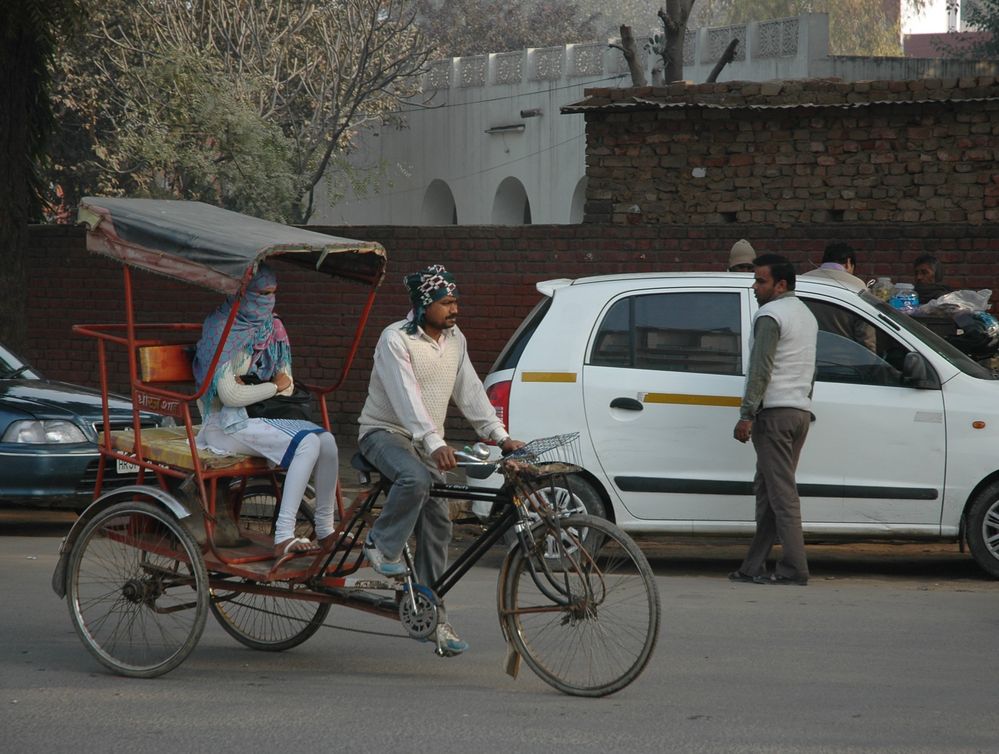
436	370
794	363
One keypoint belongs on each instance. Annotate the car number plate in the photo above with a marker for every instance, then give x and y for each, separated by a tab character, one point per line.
124	467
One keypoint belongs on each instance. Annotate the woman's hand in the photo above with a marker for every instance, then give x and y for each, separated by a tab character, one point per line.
282	381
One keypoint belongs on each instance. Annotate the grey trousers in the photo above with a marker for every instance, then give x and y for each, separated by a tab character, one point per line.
778	437
409	508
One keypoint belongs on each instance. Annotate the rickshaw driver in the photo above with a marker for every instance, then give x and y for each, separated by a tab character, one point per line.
421	363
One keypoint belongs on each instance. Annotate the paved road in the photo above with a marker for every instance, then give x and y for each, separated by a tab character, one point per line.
889	649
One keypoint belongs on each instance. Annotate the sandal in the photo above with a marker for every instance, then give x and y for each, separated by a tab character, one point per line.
330	540
294	546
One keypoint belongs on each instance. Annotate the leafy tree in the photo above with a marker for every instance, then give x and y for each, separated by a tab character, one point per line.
983	16
243	103
29	34
476	27
856	27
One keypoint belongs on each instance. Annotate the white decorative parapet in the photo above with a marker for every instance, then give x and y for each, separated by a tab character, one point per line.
586	59
777	39
546	63
718	40
439	75
507	67
786	42
473	70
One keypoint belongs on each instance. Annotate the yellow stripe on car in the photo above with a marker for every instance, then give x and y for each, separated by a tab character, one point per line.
692	400
548	377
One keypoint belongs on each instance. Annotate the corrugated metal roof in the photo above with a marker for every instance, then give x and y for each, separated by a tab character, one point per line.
596	103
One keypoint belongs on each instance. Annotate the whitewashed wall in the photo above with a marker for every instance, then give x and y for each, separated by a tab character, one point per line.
487	138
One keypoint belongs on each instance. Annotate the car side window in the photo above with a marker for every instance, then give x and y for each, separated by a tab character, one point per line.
676	332
850	349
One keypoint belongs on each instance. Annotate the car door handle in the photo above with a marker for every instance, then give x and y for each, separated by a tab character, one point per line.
628	404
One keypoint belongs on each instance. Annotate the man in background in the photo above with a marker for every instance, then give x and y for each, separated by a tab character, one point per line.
741	256
839	262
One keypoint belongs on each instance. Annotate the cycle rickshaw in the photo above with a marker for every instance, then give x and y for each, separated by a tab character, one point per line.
145	564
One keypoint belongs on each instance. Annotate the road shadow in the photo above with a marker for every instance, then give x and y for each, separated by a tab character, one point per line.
871	560
21	521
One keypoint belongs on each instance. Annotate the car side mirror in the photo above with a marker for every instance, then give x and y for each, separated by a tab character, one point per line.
917	373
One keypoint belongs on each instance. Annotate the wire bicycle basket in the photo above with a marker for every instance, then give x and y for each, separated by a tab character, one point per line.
562	448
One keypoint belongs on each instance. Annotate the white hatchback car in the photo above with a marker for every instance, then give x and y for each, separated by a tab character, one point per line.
649	369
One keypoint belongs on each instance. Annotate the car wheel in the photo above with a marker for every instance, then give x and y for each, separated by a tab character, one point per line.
576	496
983	529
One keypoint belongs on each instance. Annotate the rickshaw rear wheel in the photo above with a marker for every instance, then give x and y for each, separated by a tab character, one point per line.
137	589
264	622
259	504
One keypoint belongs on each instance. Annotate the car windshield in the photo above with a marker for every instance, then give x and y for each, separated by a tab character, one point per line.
929	338
12	367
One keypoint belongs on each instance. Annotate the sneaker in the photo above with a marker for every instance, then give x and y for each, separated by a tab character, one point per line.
380	563
447	641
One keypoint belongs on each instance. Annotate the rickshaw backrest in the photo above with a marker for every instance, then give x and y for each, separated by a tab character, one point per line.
166	363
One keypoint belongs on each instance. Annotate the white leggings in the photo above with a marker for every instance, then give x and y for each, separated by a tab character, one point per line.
316	452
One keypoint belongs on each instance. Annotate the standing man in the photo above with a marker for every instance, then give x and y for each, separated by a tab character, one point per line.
421	363
740	257
839	263
775	413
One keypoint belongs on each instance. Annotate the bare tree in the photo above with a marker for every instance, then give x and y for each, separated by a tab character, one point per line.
669	47
628	48
302	76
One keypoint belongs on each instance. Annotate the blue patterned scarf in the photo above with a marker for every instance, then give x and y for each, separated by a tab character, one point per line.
255	332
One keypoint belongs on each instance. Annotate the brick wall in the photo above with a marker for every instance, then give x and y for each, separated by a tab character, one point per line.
816	151
496	268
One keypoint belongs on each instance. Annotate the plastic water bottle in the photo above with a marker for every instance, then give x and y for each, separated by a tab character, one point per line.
883	289
904	298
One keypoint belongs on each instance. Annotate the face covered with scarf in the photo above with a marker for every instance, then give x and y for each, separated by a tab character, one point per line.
255	332
425	287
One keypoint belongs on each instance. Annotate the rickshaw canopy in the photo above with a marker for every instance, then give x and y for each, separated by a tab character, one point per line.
216	248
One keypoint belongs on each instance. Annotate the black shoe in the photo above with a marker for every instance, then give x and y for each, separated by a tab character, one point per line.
785	580
740	576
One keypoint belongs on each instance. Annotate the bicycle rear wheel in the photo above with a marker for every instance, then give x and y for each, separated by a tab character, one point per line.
587	624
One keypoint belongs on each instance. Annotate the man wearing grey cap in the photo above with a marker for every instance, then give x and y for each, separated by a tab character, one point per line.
740	258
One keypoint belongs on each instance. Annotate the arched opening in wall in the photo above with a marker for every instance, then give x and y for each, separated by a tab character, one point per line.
511	205
438	205
578	202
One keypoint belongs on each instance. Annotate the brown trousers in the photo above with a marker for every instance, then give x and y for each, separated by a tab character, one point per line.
778	437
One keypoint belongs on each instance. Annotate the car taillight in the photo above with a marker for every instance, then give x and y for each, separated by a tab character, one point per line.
499	396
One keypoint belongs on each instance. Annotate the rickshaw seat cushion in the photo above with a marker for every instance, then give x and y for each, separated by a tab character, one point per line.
169	446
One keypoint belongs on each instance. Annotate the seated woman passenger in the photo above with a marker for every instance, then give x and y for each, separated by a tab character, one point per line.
258	345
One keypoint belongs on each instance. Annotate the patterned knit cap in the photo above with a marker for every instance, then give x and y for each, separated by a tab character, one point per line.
425	287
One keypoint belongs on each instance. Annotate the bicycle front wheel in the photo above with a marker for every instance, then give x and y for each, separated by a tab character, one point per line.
586	624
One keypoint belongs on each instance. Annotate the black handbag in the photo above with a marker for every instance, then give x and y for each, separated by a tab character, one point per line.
298	405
